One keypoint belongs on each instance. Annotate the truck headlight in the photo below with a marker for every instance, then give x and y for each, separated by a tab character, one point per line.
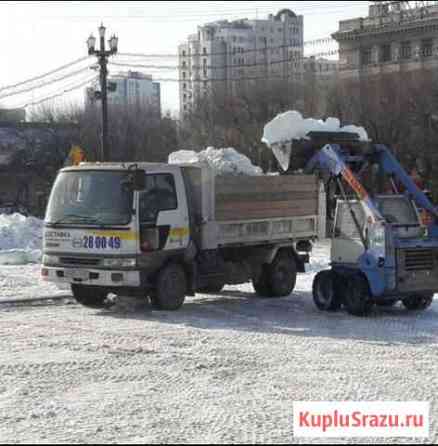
378	238
120	263
50	260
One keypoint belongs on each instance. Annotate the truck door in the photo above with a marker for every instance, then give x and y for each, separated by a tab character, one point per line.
347	246
163	213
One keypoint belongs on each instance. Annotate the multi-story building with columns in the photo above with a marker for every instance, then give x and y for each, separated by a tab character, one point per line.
230	55
394	38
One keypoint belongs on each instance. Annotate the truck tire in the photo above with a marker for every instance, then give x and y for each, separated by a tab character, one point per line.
325	292
418	303
171	289
282	274
261	284
279	278
357	299
90	297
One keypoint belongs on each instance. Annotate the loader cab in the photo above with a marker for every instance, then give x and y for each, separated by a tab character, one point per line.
400	215
347	246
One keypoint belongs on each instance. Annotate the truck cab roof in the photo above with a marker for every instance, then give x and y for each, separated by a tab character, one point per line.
152	167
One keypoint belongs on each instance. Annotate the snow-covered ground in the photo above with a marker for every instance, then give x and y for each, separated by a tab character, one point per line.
24	282
225	369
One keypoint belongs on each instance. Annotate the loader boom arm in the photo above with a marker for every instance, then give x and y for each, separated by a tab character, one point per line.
331	159
392	167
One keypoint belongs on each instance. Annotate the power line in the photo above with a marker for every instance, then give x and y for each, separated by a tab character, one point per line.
135	55
316	42
237	79
59	94
292	59
318	9
45	84
42	76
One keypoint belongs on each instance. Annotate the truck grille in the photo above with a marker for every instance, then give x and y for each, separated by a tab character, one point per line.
419	260
79	261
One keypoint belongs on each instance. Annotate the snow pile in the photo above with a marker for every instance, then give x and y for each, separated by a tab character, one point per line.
20	239
222	161
291	126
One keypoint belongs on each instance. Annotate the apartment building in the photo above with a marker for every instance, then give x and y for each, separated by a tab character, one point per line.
228	56
131	88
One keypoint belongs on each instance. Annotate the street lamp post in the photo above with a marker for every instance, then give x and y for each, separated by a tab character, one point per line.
102	55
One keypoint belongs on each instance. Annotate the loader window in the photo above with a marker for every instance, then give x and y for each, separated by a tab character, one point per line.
345	227
397	210
159	195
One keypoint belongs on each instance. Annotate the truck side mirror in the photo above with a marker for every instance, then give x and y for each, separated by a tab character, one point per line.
139	180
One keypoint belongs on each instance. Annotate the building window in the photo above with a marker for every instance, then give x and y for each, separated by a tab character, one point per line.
406	50
427	48
184	75
184	86
184	54
367	56
204	50
386	53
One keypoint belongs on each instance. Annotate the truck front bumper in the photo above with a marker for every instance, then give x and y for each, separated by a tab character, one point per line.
90	277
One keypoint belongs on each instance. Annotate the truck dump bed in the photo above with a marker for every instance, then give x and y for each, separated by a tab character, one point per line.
251	210
248	198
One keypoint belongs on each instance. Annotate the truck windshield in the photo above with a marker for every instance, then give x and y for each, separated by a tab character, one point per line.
90	198
398	211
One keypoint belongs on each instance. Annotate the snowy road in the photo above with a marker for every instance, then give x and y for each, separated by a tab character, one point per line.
224	369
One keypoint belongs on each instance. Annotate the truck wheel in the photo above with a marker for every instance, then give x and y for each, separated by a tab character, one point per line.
278	279
325	292
90	297
283	275
261	284
171	289
358	296
418	303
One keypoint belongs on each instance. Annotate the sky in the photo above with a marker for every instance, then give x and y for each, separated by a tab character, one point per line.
38	37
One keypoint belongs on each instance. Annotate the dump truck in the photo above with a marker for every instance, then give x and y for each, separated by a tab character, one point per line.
165	232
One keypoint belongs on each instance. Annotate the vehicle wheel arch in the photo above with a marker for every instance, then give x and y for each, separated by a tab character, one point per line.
289	250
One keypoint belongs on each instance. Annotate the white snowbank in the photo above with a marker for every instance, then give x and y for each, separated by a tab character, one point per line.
222	161
291	126
20	239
